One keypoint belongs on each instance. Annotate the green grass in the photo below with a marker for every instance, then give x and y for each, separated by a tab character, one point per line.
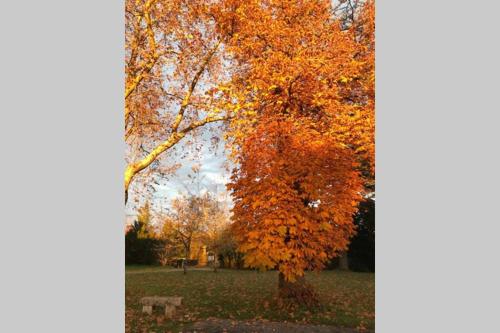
348	299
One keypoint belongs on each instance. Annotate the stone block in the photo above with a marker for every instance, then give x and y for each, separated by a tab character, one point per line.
147	308
174	300
169	311
160	301
170	303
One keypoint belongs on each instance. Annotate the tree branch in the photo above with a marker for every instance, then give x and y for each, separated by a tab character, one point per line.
174	138
146	68
192	86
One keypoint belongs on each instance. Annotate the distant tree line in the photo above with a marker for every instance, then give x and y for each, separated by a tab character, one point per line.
140	250
361	253
142	247
193	220
145	246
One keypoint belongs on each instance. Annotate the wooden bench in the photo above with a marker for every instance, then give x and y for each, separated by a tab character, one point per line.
169	303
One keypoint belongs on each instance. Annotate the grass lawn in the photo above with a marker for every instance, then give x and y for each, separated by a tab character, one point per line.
348	298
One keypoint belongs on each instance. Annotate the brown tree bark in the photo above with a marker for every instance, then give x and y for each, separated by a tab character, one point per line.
184	267
344	262
296	292
215	266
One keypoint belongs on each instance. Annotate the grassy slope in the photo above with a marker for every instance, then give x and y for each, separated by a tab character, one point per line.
348	298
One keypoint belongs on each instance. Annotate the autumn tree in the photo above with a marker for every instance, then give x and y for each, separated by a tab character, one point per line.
173	64
142	246
186	220
191	219
305	127
144	219
200	218
227	248
359	21
217	222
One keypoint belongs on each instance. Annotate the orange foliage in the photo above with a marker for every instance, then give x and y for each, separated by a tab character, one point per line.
305	96
295	192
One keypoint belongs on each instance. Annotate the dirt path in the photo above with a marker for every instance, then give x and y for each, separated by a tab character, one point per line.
233	326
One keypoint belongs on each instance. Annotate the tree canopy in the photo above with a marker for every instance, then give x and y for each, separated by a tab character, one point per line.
305	127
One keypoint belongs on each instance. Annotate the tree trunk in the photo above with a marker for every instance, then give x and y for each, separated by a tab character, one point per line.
297	292
215	262
344	262
187	255
285	285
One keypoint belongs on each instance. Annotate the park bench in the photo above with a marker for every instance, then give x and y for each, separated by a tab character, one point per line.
169	303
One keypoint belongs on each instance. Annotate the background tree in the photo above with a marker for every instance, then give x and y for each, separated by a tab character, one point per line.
227	249
201	218
145	228
362	247
187	221
174	248
218	220
142	246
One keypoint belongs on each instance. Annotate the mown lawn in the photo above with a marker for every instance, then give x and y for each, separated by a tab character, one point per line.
348	299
